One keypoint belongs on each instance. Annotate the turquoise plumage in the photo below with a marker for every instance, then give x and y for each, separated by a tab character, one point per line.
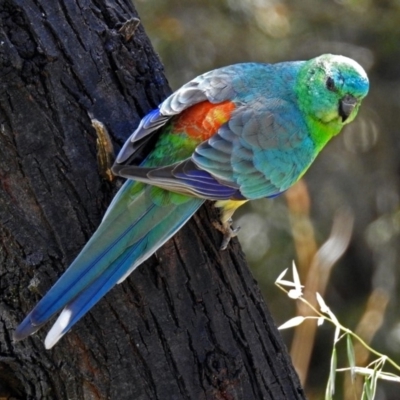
234	134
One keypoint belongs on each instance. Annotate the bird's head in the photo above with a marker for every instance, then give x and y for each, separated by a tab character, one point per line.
330	89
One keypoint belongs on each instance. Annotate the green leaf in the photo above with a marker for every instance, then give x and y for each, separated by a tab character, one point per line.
350	356
367	393
374	381
330	387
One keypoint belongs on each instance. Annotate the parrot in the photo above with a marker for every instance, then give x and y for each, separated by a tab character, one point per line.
237	133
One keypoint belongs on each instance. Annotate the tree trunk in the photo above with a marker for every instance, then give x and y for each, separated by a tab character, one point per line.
188	324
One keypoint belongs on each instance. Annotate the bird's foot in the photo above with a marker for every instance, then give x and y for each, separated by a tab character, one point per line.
228	231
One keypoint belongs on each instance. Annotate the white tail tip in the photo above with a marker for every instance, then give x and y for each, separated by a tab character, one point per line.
56	331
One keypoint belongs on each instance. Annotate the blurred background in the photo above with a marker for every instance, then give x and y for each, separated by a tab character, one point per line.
341	224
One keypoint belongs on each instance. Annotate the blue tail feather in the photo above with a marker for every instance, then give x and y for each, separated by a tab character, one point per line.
131	231
78	307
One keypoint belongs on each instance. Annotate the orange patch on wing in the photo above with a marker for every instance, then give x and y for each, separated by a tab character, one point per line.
203	120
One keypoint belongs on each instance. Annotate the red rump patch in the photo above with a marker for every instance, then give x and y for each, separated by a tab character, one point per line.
203	120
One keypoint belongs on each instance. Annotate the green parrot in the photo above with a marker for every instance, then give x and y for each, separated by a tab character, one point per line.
234	134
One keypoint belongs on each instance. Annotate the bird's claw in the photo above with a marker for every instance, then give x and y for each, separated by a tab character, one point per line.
228	232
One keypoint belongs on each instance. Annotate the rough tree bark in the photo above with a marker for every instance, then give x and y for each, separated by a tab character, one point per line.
190	323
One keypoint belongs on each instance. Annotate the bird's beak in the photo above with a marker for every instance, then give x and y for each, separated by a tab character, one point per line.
346	106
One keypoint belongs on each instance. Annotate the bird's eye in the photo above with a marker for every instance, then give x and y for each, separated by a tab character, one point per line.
330	84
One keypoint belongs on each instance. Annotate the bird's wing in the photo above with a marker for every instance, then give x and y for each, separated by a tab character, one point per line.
214	86
253	155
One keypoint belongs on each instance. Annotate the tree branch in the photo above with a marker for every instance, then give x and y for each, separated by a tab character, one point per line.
188	324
